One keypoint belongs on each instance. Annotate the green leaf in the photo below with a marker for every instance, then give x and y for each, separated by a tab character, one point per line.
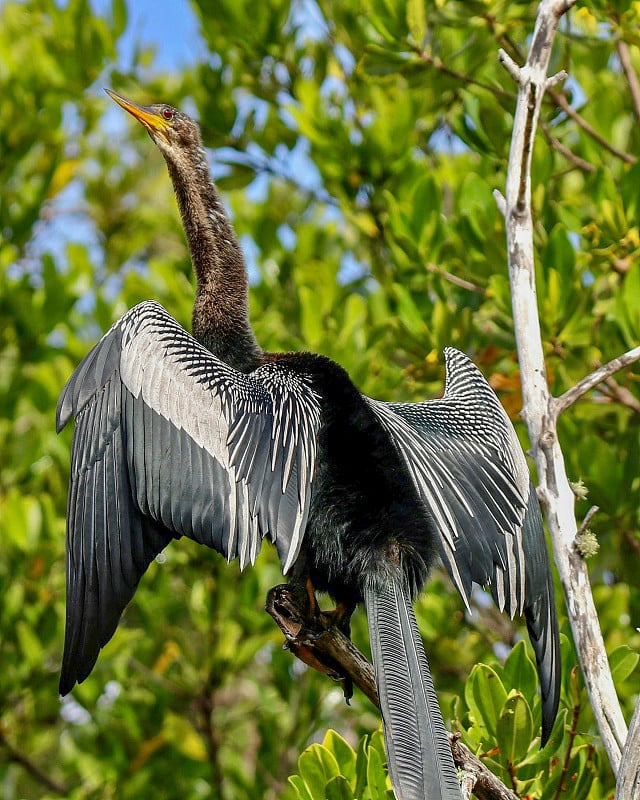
380	61
485	695
30	646
387	18
317	765
519	672
559	254
514	730
310	316
408	312
362	763
376	775
299	787
239	177
119	16
623	662
627	308
339	788
427	198
548	752
344	753
477	206
417	20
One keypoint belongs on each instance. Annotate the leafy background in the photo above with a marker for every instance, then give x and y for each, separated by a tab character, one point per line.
357	144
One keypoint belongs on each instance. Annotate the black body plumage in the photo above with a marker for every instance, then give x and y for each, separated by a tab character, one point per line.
217	441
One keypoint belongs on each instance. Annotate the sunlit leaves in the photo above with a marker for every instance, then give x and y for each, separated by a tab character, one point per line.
362	143
334	771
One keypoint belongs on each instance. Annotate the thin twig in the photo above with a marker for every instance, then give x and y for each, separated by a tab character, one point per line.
510	65
438	65
500	202
573	732
561	101
486	785
32	768
467	782
620	394
449	276
587	519
630	74
558	98
600	375
557	145
632	542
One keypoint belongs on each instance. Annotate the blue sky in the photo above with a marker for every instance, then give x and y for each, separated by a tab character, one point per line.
171	27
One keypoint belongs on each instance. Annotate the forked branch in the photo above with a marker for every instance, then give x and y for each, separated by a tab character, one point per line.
540	410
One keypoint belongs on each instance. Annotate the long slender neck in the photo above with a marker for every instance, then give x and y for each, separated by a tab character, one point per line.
221	311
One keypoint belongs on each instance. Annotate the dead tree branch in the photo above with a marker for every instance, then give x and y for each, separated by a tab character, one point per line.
560	404
486	786
539	408
629	774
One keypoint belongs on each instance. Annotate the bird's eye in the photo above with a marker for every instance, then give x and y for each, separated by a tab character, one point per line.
167	113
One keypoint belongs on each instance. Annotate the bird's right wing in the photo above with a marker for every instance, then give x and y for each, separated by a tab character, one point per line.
170	441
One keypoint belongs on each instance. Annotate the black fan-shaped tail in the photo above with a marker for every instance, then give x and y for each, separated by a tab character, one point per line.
420	762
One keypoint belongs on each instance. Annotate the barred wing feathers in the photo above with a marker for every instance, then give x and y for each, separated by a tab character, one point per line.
170	441
469	469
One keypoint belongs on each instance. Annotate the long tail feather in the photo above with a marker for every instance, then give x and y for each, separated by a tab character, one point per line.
420	761
540	614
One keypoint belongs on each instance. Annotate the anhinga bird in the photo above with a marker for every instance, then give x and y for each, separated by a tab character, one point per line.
207	436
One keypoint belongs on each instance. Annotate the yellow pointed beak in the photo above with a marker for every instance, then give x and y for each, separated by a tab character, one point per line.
148	116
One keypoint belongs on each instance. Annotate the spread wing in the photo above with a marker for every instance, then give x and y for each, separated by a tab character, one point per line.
469	469
170	441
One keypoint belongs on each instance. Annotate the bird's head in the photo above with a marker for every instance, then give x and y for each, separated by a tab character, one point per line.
171	129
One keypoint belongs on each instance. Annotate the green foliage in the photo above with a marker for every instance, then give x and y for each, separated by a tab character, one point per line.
358	150
333	770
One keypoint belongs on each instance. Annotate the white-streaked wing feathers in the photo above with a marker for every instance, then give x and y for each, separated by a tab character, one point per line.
469	470
468	467
171	441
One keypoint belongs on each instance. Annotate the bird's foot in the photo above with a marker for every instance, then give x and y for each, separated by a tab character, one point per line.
339	617
310	633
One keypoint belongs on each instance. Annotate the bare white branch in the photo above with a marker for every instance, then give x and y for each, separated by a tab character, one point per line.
600	375
500	202
629	775
554	80
539	411
510	65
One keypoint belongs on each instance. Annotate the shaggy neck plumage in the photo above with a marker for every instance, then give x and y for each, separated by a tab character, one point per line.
221	311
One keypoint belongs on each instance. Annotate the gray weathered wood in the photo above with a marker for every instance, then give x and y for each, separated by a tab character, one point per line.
539	407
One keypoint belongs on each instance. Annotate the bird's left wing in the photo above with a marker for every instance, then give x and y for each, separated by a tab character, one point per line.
469	470
171	441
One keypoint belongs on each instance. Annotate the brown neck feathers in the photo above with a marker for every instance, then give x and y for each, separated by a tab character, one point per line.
221	310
